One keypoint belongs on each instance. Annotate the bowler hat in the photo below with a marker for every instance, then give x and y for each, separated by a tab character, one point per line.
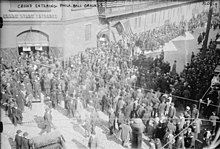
18	131
25	134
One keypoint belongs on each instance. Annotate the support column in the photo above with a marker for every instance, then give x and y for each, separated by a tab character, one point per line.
205	42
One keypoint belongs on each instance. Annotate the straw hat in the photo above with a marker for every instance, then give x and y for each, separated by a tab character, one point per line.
187	108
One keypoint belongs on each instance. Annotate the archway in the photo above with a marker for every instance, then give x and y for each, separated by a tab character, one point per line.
33	40
105	36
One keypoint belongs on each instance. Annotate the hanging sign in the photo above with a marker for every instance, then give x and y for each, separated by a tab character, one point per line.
39	48
26	49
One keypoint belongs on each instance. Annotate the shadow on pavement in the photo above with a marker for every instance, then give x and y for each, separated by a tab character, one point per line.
40	121
104	126
80	145
78	129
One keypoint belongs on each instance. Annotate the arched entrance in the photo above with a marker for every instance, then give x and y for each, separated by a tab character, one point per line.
104	36
33	40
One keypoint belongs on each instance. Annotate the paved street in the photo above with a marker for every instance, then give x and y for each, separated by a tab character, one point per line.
72	131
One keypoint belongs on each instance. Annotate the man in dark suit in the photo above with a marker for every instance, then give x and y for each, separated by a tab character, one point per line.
18	139
47	121
172	111
25	141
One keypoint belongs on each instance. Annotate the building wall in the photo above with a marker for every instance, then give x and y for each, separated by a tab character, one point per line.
10	31
74	36
153	19
69	27
66	31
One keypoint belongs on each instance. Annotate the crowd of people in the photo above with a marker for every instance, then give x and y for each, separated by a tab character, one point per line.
126	92
198	21
152	40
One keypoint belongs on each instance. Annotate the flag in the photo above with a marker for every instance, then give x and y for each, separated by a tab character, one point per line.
127	30
119	27
124	29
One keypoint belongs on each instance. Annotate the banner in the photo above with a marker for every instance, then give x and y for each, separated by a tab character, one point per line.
39	48
26	49
119	27
124	29
127	30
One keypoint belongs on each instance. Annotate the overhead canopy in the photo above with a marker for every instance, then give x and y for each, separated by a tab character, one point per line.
32	38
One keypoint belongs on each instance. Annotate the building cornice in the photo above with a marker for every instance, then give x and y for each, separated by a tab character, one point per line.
60	22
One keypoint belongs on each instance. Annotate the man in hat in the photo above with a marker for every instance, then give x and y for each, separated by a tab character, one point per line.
18	139
54	83
197	125
54	99
213	119
67	101
15	113
47	121
195	111
59	95
37	88
25	141
172	111
111	121
47	85
189	138
94	118
161	108
181	121
121	117
93	141
187	115
29	88
171	126
20	101
29	100
200	38
173	72
126	132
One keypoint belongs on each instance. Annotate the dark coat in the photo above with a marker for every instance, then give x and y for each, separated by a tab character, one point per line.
25	143
93	142
18	141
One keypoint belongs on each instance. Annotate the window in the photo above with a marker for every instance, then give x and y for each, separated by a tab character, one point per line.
168	15
155	17
139	22
135	21
163	15
88	32
152	19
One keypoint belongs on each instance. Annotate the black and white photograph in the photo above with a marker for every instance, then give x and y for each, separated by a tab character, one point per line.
110	74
